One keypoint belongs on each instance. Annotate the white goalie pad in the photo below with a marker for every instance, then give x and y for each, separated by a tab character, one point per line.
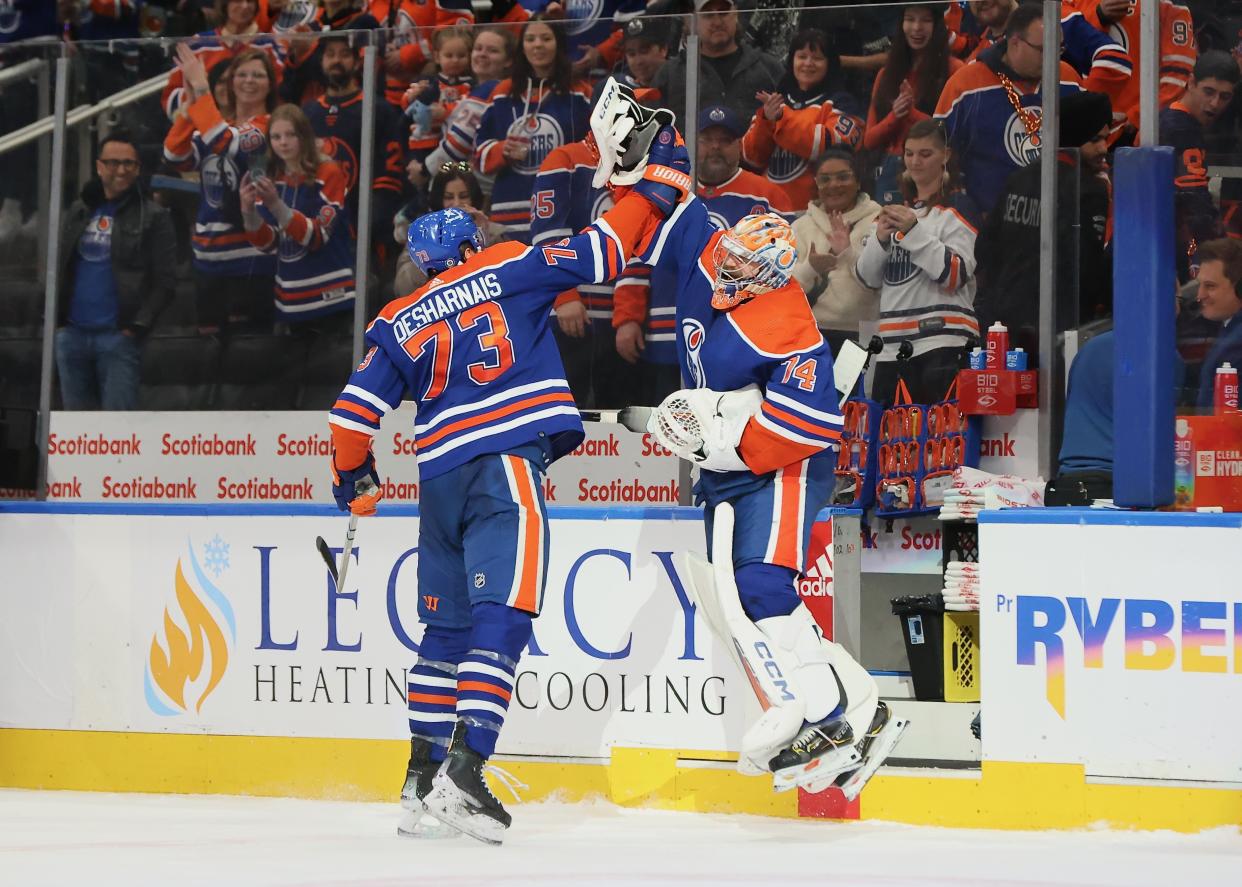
796	674
704	426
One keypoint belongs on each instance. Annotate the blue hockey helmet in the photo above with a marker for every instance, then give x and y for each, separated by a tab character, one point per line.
434	240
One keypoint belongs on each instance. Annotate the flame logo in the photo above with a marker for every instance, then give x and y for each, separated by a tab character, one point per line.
194	644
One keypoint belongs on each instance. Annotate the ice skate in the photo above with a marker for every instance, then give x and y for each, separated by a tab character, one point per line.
875	747
419	773
819	752
461	798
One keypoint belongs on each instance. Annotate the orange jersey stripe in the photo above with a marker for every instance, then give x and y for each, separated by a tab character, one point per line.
356	409
532	542
788	540
432	699
784	416
482	687
498	413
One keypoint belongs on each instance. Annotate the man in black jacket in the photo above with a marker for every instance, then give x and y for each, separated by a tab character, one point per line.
1007	250
116	275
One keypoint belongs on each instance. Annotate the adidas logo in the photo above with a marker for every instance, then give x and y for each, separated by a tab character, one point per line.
817	580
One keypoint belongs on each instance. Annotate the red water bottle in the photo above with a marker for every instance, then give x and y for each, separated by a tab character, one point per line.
997	346
1226	400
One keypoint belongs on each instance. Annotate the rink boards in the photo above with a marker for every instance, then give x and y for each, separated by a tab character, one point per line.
203	649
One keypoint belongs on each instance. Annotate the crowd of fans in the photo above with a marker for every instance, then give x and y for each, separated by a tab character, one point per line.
899	139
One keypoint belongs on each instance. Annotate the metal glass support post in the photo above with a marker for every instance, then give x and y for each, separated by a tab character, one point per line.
1049	138
1149	73
689	132
366	179
44	87
53	270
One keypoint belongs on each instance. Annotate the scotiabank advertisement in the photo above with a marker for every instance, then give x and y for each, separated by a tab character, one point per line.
229	624
284	457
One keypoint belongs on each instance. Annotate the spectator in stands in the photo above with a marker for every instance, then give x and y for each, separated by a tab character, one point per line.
1220	273
410	23
111	51
239	19
1183	125
565	203
731	73
305	75
117	253
991	110
535	111
454	187
921	257
800	119
593	30
1177	55
830	237
233	280
644	52
296	211
908	86
336	119
490	59
429	101
729	191
1007	250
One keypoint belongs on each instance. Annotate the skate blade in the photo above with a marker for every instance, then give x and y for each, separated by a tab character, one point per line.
420	826
821	769
453	813
881	747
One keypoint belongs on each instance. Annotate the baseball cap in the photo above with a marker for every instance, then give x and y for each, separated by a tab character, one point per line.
719	115
654	30
699	4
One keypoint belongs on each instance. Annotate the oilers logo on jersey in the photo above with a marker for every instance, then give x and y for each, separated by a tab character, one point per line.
339	152
693	334
1022	147
543	133
581	14
899	268
785	166
10	18
220	178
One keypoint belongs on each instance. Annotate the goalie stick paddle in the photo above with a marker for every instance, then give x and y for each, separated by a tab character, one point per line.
633	418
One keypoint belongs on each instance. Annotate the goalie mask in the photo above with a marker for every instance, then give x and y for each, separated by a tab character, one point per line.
755	256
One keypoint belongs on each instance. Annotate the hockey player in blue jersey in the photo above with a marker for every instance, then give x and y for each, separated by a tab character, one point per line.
474	349
760	424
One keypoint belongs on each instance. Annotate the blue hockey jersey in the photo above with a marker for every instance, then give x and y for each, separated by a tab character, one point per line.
563	204
474	348
221	152
545	120
770	340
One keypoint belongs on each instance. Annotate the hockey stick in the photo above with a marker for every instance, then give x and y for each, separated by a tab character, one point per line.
361	488
633	418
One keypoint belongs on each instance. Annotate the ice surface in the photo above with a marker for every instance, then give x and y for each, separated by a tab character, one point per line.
75	838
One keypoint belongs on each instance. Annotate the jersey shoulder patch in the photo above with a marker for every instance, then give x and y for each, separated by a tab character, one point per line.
778	323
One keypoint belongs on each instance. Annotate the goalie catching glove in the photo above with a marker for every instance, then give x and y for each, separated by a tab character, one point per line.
704	426
638	147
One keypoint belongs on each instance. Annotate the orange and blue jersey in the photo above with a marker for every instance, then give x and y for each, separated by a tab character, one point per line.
411	25
565	203
783	149
337	123
315	271
543	118
462	124
595	24
213	49
984	129
474	348
221	152
448	91
770	340
649	296
1178	53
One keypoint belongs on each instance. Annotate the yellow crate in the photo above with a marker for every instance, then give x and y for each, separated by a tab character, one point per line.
961	657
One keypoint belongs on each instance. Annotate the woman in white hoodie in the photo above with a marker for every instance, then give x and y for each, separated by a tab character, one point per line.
830	236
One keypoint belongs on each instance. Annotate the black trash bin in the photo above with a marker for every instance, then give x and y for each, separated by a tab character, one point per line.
922	628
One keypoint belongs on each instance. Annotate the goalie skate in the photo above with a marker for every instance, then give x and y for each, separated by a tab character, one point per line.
875	747
816	756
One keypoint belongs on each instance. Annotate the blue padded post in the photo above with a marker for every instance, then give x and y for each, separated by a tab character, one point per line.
1144	281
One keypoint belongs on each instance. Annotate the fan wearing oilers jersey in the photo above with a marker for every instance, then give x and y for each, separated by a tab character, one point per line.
760	423
473	347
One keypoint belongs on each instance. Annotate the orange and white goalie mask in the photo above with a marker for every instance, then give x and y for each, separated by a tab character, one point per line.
755	256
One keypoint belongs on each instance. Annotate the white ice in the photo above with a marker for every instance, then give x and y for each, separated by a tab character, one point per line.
74	838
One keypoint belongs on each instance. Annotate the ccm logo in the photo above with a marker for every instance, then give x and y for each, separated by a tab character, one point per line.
773	670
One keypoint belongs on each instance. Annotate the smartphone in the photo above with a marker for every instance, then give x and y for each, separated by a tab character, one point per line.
258	167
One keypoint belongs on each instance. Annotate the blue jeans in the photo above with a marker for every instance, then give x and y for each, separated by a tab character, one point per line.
98	369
